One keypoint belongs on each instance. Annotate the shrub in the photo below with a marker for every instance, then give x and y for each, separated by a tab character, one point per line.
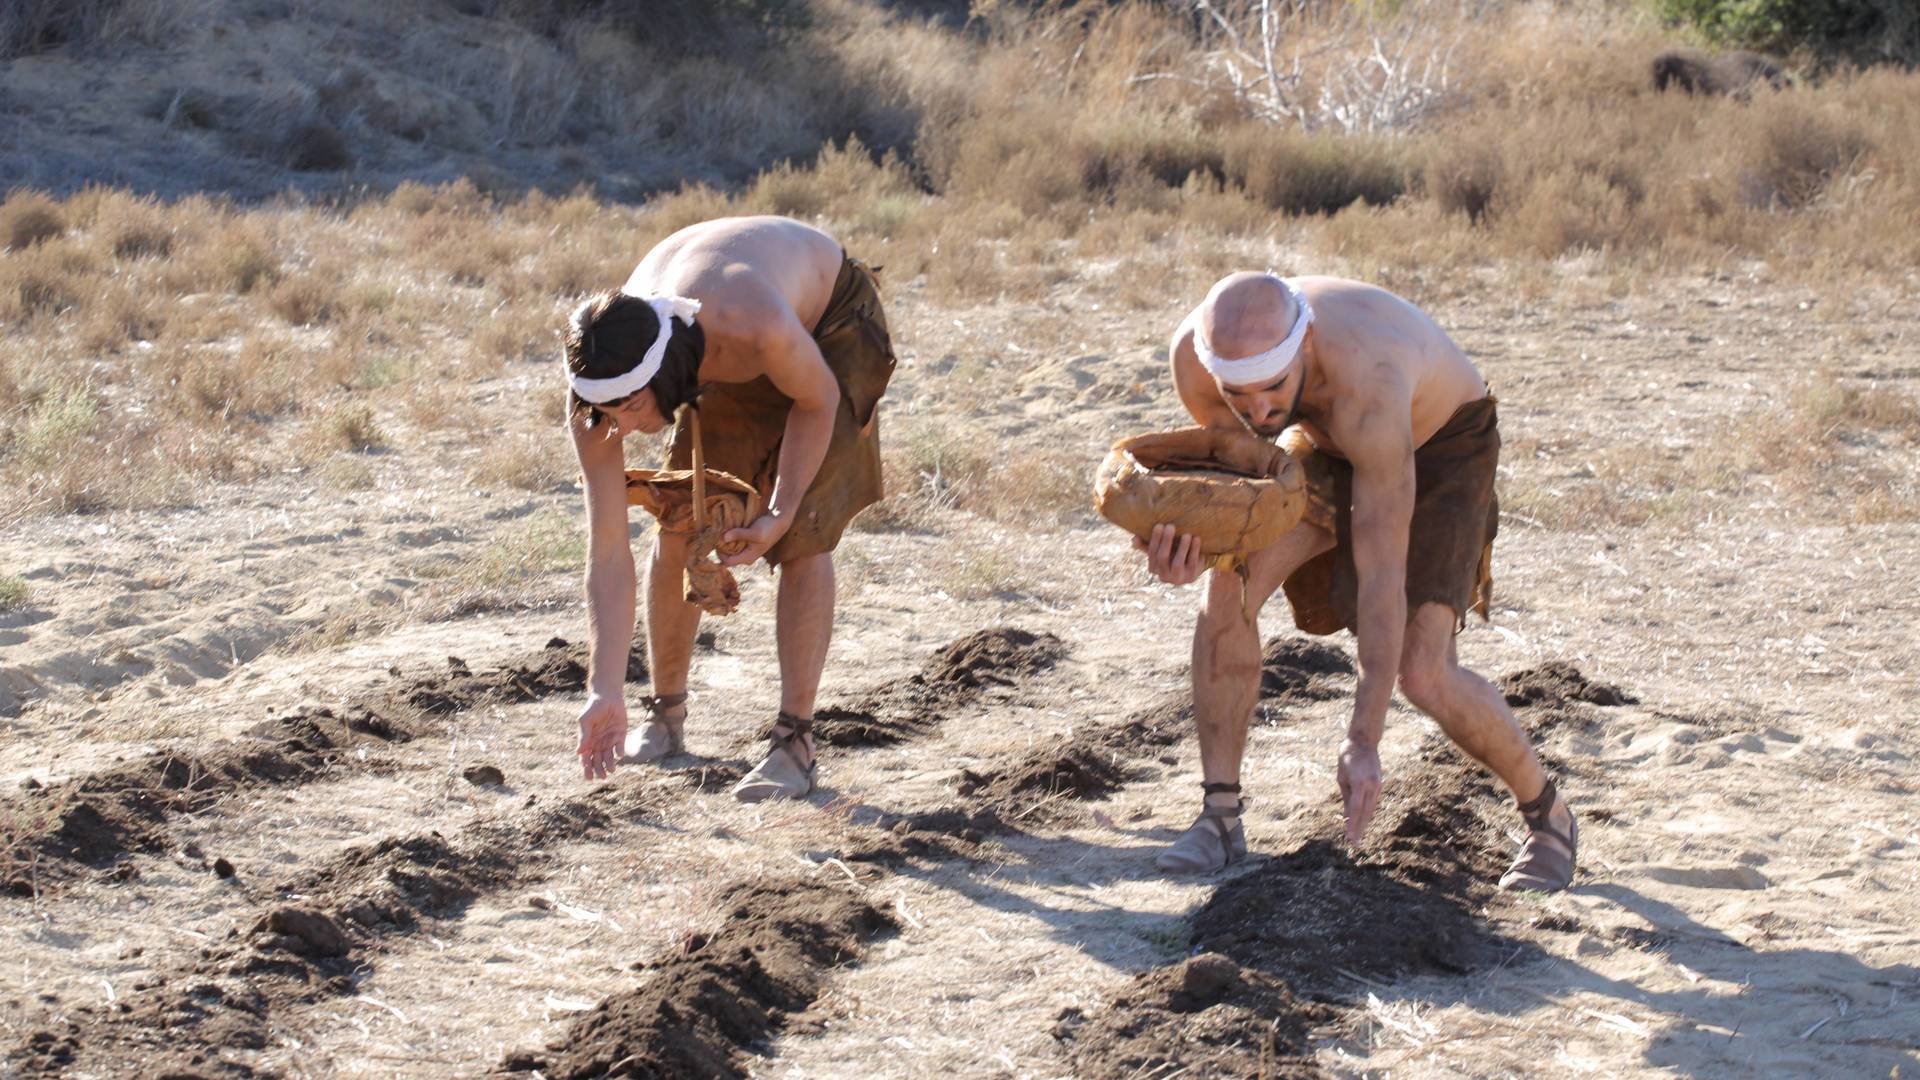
1299	173
1866	30
28	218
1797	153
15	593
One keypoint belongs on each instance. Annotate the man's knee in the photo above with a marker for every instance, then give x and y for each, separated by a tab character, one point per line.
1423	682
820	562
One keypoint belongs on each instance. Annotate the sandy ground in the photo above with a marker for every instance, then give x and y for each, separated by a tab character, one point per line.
1750	845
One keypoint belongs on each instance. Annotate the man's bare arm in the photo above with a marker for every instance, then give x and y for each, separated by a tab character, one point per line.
610	569
793	363
1379	443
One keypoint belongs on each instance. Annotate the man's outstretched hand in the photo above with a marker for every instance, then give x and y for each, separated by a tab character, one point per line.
1359	787
603	733
1173	559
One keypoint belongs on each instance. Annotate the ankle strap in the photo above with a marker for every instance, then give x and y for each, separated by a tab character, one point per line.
656	702
1538	806
1209	810
797	726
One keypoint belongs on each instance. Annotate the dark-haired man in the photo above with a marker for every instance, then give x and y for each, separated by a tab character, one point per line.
1400	440
778	338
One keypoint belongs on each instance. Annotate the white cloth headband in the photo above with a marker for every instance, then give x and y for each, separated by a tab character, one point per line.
600	391
1261	367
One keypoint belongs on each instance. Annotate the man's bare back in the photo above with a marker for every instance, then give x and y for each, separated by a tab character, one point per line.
741	268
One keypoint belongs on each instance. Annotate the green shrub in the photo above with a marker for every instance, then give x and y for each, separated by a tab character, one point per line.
1864	30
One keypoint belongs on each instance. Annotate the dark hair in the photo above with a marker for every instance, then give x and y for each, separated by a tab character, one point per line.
609	333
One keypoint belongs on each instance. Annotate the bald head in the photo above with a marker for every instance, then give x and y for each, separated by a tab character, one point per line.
1246	313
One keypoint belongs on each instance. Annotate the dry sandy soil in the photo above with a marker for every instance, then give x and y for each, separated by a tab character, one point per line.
237	848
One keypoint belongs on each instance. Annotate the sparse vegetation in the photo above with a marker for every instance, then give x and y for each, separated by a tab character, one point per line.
15	593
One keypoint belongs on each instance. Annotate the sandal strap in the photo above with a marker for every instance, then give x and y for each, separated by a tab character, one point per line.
657	702
1537	812
1226	833
1208	810
797	728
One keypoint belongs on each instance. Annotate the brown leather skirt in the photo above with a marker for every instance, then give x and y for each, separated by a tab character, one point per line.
1450	542
743	424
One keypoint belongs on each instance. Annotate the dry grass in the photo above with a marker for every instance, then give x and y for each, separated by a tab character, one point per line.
1026	163
15	593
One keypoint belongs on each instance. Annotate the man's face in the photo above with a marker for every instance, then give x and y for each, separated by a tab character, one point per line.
1265	408
640	412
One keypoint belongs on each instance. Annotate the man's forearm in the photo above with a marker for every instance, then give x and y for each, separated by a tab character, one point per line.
802	449
610	612
1381	630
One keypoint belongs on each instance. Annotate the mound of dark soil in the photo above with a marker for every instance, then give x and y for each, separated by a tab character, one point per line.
704	1006
99	819
1066	767
1558	682
178	1022
1308	925
1296	669
953	677
933	836
557	668
1206	1016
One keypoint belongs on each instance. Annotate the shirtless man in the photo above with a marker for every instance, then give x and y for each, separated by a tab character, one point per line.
1399	436
778	339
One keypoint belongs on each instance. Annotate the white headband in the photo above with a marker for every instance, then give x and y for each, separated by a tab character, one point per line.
1261	367
600	391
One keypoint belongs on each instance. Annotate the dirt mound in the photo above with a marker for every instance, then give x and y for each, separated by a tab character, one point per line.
1306	924
1206	1016
954	676
296	954
1092	765
704	1005
95	821
1296	669
1556	683
1068	768
933	836
557	668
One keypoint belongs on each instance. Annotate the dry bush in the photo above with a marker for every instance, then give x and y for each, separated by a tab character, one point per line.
47	279
1797	152
131	227
1313	174
302	300
15	593
28	218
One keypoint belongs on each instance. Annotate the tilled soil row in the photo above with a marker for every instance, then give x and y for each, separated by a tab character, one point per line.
58	833
706	1003
956	675
1038	784
1283	949
767	960
312	936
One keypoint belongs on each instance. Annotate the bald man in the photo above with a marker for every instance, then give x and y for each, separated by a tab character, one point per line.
1400	440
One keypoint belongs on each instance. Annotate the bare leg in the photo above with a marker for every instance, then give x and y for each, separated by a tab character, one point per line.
804	627
671	621
804	610
1469	709
1226	664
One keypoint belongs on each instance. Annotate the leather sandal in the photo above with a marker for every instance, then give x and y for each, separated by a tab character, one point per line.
1540	866
663	735
780	774
1210	844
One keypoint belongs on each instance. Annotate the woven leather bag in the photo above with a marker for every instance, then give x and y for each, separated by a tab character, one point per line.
703	503
1235	492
